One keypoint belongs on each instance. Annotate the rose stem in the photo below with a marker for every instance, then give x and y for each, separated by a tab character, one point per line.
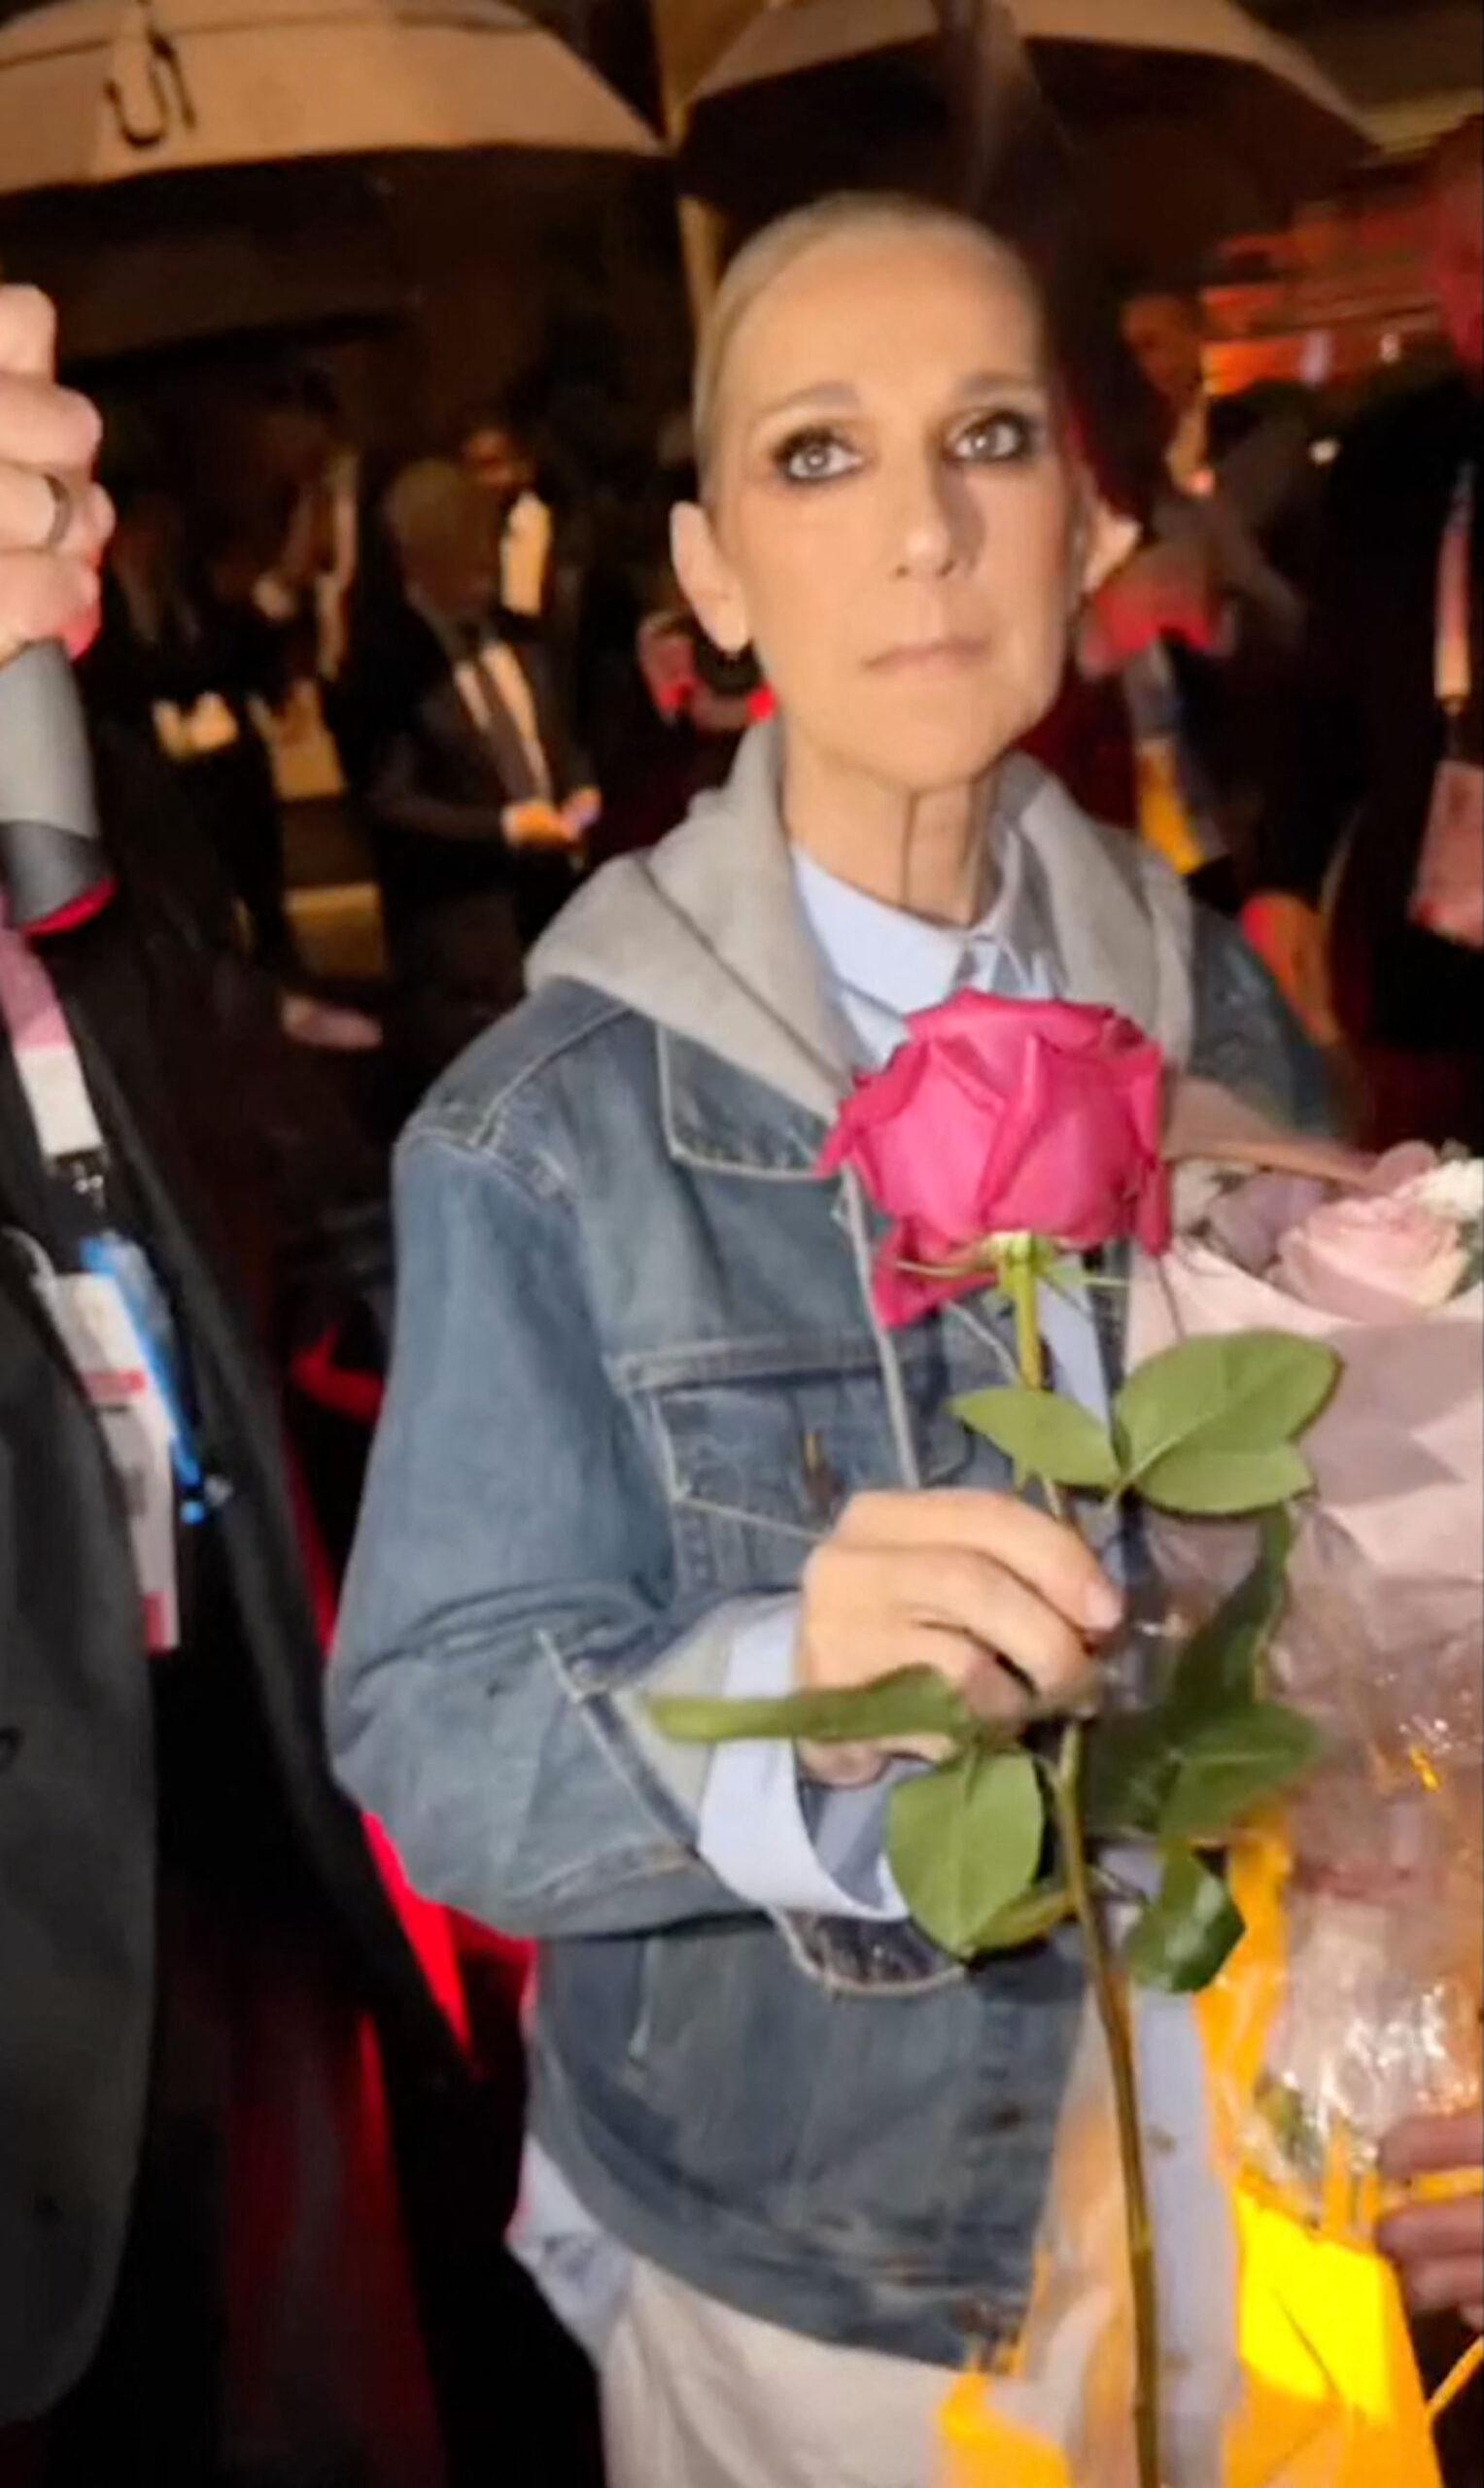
1019	1278
1112	2013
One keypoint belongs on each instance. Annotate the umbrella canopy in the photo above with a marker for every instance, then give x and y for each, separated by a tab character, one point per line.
789	35
96	90
1190	122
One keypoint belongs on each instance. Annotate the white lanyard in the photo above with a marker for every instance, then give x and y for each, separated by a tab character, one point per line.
1452	660
47	1063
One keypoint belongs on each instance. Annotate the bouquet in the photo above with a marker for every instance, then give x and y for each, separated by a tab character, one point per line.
1381	1647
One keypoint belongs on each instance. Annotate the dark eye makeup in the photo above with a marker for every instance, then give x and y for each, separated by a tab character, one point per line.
824	453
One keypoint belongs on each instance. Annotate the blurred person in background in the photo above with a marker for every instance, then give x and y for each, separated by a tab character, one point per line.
493	451
305	590
183	668
314	564
1164	328
1370	903
1203	623
213	2269
547	550
475	799
177	667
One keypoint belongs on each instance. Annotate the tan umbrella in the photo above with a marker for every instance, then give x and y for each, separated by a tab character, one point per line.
786	36
1190	120
96	90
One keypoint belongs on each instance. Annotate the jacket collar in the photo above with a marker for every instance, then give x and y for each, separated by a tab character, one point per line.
720	1121
707	938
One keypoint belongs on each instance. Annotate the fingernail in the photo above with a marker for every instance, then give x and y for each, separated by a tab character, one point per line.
1103	1606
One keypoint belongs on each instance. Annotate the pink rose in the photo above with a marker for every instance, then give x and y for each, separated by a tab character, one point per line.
1004	1118
1371	1257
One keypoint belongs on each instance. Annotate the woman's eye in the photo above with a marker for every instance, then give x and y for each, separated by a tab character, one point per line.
1003	438
813	457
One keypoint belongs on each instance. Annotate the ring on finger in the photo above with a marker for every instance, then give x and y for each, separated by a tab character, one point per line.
63	510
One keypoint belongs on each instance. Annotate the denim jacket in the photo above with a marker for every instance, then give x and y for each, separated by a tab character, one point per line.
636	1378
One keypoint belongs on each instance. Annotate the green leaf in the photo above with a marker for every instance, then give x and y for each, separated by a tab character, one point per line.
1194	1767
1127	1773
1220	1664
1184	1417
1231	1765
1045	1434
964	1841
1187	1933
1027	1920
1227	1484
913	1701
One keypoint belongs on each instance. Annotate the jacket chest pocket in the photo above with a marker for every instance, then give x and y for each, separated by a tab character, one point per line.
759	1468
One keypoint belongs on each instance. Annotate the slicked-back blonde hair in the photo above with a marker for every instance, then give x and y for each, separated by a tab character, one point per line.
781	245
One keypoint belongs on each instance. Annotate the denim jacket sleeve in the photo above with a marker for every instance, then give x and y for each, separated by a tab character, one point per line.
508	1602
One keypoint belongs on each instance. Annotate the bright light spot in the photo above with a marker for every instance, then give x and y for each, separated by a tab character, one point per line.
1316	361
1391	347
1324	453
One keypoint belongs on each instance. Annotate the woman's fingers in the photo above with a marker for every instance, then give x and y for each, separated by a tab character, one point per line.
1438	2247
45	596
52	534
33	510
974	1597
869	1611
28	332
1434	2146
51	430
1047	1555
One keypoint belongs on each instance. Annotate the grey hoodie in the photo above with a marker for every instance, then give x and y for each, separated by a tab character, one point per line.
704	936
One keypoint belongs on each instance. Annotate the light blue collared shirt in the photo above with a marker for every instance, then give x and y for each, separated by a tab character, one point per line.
758	1830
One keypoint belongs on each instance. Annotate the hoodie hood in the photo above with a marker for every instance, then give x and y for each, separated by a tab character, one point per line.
706	937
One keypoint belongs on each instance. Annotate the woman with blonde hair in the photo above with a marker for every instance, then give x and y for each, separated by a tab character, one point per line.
644	1434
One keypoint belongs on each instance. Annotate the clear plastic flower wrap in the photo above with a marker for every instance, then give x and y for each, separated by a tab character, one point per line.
1378	2017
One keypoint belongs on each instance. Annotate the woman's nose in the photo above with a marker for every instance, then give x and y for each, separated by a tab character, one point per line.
933	522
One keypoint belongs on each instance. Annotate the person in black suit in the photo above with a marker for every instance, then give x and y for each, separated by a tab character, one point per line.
474	797
1203	623
1387	719
174	664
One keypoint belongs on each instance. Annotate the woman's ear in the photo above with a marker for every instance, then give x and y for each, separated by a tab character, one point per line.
1102	540
707	581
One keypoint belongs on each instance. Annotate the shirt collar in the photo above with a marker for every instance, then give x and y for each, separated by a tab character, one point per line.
906	964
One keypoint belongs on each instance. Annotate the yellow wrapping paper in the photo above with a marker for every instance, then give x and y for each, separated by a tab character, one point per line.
1329	2392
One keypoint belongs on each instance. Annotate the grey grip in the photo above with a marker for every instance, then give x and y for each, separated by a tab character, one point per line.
46	777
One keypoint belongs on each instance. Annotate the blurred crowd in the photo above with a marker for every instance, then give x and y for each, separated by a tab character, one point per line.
450	664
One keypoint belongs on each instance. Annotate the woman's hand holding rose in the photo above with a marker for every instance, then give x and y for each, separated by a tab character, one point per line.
960	1581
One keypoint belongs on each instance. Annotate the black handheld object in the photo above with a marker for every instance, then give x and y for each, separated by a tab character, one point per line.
53	867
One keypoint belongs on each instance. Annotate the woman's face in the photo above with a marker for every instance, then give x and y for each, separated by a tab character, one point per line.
892	513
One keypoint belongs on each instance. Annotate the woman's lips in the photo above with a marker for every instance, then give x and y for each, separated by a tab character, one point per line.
918	656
